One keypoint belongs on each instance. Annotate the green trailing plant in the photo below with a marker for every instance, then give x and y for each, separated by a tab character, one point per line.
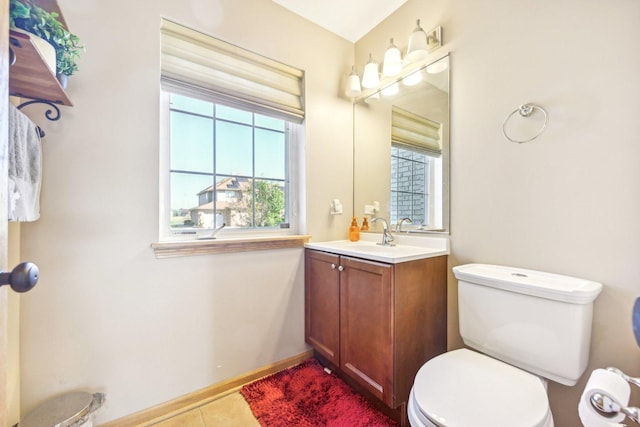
28	16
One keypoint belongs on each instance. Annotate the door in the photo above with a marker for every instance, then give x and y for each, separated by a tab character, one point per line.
366	316
322	303
4	133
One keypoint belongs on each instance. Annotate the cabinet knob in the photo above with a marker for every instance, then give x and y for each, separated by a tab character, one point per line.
340	268
333	266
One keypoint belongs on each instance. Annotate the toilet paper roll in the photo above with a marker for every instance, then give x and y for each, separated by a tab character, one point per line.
611	384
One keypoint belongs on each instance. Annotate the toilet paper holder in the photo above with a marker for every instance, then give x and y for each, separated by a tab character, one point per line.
607	406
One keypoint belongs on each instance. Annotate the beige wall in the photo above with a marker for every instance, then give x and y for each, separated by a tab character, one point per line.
567	202
108	316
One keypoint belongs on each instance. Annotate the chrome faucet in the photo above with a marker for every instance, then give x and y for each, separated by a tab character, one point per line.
387	238
399	225
213	233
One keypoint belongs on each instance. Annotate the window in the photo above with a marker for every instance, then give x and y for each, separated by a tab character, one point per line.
227	166
230	121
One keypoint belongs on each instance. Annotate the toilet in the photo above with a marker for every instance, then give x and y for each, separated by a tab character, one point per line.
525	327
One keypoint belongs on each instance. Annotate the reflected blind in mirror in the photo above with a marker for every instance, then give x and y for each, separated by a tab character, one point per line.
416	132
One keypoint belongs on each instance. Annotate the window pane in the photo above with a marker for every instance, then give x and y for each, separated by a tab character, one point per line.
191	105
269	203
419	157
233	149
394	208
191	202
419	178
269	122
404	153
191	143
394	174
233	114
405	205
418	208
404	175
233	201
270	154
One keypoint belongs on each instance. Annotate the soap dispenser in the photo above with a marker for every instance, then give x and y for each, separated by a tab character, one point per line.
365	224
354	231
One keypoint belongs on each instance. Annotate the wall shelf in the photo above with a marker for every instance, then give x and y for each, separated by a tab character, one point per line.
29	76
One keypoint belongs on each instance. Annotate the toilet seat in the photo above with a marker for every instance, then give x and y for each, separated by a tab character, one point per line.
463	388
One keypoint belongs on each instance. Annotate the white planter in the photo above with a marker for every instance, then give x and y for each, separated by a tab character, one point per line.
46	49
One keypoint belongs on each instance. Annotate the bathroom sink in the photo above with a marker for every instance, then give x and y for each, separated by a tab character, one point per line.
407	248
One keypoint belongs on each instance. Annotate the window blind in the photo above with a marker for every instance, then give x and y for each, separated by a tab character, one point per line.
415	131
196	64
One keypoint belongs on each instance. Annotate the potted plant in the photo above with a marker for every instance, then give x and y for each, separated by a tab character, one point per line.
28	16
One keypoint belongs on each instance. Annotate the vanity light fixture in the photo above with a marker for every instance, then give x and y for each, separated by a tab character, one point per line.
392	64
353	84
421	43
371	74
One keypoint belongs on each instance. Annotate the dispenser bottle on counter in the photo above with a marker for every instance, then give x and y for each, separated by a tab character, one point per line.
354	231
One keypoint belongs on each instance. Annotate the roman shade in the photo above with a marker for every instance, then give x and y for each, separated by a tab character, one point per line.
416	132
198	65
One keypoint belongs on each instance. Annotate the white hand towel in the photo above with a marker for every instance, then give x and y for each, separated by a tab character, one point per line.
25	167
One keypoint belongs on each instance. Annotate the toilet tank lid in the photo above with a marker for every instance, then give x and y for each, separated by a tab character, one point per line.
544	285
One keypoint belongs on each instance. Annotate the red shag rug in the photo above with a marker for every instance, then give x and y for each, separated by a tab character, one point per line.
306	396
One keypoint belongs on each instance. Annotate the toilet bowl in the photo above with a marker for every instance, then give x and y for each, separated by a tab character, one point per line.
528	327
463	388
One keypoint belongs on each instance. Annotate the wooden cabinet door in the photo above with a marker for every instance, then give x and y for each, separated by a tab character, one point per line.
322	304
366	315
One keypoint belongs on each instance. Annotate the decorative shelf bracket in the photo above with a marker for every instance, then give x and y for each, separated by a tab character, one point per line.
50	114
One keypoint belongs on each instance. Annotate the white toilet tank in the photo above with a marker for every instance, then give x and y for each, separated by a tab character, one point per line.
540	322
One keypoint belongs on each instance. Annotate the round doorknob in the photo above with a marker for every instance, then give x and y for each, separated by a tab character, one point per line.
22	278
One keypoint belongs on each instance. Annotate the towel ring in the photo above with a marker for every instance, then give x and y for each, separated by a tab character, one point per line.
526	110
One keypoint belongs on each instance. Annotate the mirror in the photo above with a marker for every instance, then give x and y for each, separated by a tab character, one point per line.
401	151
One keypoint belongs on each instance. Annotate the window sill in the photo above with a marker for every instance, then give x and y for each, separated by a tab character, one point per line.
207	247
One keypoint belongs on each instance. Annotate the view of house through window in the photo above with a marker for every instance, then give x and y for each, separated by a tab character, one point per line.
227	166
410	183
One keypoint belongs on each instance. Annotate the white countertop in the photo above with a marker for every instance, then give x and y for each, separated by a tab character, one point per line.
408	248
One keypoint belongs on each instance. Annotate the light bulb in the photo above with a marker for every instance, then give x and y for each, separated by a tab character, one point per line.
392	61
418	47
353	84
370	76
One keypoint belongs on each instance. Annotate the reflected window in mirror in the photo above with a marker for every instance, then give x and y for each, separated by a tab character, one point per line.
412	186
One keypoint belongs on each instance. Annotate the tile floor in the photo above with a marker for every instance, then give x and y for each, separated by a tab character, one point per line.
228	411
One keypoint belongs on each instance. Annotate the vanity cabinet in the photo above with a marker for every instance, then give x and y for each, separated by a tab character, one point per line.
377	323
